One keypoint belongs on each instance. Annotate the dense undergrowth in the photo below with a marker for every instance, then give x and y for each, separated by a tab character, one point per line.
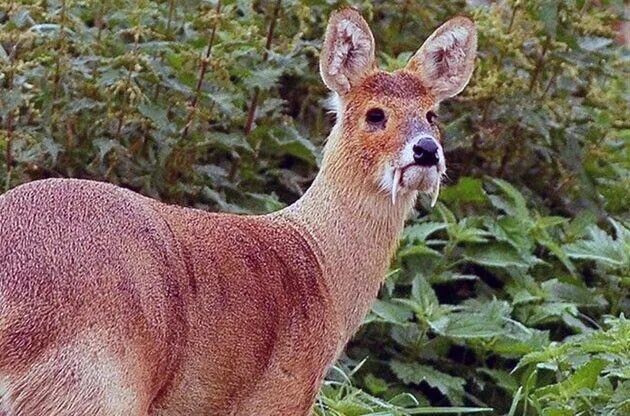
511	295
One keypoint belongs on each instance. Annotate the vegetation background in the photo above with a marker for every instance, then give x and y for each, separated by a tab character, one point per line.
511	295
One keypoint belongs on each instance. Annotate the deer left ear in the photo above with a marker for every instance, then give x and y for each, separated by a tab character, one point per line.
445	62
348	51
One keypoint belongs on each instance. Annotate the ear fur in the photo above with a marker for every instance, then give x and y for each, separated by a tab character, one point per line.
348	51
445	62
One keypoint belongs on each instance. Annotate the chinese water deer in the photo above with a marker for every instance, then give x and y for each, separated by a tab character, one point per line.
112	303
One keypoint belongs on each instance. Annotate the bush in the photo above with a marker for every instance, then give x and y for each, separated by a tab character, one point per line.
512	294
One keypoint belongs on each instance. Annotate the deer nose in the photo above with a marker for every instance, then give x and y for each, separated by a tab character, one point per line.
425	152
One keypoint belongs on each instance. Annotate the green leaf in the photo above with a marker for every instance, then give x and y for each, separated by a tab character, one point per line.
420	232
502	379
156	114
52	148
584	378
466	232
554	352
226	141
375	385
594	43
556	250
414	373
580	224
287	140
600	247
419	250
466	190
564	292
264	79
476	321
498	255
550	221
549	15
423	293
515	204
391	312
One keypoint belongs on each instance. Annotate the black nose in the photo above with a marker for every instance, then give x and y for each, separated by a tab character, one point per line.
425	153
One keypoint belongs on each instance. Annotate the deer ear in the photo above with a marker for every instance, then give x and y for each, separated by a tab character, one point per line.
445	62
348	51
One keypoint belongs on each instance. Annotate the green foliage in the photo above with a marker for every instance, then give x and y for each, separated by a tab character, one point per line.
339	397
511	294
505	284
591	370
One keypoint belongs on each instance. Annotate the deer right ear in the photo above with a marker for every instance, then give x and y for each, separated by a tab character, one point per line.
348	51
446	61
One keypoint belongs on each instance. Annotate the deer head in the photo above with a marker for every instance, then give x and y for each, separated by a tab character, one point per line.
387	121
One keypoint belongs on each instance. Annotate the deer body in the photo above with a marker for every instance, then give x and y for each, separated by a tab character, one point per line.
161	312
112	303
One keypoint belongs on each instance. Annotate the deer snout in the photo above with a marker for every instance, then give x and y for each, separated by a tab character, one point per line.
426	152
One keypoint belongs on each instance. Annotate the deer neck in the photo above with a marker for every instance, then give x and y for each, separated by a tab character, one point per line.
355	228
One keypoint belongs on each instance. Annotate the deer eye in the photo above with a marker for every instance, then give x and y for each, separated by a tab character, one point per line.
375	116
432	118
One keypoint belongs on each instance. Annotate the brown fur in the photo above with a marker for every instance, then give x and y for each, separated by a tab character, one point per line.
115	304
98	279
403	97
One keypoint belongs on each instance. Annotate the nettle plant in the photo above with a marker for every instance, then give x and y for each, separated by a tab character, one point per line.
482	308
171	100
510	294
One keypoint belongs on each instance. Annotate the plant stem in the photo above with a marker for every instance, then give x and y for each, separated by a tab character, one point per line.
403	19
60	42
254	103
9	124
202	73
550	83
123	107
512	18
540	64
171	10
98	21
8	156
251	112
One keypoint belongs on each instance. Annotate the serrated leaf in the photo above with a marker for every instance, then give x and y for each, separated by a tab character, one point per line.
414	373
391	312
52	148
264	79
423	293
514	204
226	141
498	255
549	16
485	321
466	190
420	232
289	141
564	292
375	385
600	247
501	378
584	378
419	250
594	43
156	114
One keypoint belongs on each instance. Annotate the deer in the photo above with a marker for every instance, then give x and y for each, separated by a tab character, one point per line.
112	303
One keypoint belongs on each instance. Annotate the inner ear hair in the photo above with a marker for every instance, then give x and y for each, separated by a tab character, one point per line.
446	60
348	51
